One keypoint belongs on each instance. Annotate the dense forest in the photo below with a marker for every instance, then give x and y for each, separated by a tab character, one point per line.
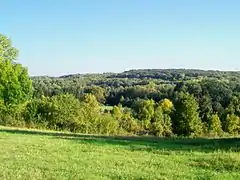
161	102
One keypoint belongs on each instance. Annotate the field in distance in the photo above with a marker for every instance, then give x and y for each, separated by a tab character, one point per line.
32	154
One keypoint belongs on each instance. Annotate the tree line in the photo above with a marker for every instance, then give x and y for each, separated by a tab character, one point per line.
160	102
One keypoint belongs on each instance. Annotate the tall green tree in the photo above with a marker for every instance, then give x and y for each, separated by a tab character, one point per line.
15	84
91	113
186	119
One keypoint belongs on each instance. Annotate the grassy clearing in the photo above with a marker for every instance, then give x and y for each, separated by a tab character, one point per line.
29	154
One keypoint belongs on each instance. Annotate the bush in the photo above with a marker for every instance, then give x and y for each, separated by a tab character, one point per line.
12	115
60	112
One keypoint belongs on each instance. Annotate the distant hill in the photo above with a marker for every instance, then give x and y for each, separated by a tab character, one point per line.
162	74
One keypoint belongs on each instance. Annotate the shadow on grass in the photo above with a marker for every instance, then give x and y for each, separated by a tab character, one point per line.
144	143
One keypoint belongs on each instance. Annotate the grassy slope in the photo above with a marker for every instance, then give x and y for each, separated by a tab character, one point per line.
43	155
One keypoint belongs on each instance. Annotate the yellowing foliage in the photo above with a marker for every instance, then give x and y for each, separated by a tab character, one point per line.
167	105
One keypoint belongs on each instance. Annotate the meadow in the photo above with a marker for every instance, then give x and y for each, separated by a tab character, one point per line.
33	154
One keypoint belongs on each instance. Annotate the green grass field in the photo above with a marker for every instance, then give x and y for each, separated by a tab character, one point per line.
30	154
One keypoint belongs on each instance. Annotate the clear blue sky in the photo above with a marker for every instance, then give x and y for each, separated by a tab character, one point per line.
79	36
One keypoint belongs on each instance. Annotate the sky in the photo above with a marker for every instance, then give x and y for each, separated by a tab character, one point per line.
57	37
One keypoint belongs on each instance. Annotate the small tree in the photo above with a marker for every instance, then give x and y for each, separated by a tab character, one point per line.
117	112
215	125
167	125
144	110
232	124
158	122
161	123
91	113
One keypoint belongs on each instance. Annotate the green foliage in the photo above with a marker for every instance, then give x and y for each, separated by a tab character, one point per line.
167	126
15	85
66	112
126	120
98	92
91	113
215	126
161	122
158	122
234	106
7	51
118	112
186	119
205	108
167	106
108	125
34	112
61	112
12	115
232	124
144	110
